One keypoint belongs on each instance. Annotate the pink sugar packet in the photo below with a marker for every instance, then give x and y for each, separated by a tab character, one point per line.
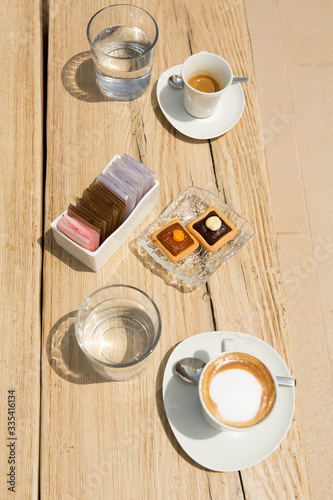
82	235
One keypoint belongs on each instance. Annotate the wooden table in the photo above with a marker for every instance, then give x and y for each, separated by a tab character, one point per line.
77	435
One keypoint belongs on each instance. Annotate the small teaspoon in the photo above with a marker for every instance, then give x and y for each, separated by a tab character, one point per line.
189	369
177	82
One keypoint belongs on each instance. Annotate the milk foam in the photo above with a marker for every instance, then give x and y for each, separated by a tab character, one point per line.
237	394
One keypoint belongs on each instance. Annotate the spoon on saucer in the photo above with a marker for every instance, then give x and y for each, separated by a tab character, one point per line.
189	369
177	82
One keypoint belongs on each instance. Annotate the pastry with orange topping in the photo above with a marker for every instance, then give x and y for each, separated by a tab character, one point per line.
174	241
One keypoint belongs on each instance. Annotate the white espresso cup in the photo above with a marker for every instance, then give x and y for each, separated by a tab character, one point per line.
203	104
237	391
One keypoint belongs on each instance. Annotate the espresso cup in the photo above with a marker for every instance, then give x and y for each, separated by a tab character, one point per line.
237	392
213	68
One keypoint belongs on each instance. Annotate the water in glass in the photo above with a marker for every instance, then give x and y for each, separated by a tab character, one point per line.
123	61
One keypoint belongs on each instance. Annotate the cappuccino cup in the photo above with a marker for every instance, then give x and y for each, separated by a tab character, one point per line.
237	391
206	78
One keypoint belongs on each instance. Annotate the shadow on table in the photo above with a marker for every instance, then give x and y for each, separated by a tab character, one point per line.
165	123
65	355
162	413
151	265
79	78
57	251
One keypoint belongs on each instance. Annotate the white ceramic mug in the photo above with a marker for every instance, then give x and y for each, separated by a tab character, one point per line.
203	104
252	394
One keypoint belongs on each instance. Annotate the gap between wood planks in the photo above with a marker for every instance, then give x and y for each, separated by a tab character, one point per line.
44	19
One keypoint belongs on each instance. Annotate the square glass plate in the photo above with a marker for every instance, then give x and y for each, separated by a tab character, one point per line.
197	267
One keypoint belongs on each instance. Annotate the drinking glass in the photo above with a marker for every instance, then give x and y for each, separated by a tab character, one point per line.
122	39
118	327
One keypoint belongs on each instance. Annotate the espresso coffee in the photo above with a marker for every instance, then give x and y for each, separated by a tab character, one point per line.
238	390
204	83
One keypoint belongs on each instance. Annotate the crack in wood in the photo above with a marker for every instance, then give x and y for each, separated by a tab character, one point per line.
190	174
138	148
209	489
189	32
211	307
174	10
219	188
241	483
143	130
139	132
247	292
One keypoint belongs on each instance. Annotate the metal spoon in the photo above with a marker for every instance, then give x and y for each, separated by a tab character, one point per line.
189	369
177	82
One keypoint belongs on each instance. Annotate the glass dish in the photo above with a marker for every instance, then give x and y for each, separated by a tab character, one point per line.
197	267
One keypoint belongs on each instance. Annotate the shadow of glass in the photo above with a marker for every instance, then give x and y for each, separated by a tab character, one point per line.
65	356
79	79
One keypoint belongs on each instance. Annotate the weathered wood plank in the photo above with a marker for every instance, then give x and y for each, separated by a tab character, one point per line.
21	169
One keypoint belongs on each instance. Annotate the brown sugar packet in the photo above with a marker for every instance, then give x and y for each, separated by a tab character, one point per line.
108	213
93	205
71	213
111	199
91	216
111	205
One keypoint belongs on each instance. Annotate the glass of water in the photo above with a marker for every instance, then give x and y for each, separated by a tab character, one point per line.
122	40
118	327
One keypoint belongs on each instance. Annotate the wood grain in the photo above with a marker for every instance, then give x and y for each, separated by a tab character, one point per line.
101	439
21	168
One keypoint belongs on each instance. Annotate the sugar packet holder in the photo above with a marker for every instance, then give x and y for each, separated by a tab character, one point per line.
95	260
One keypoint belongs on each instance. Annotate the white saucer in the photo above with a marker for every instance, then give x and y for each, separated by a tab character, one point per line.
215	450
226	116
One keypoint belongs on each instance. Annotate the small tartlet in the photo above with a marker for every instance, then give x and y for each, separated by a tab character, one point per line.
172	249
198	229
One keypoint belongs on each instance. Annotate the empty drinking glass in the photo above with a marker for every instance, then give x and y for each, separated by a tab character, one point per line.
118	327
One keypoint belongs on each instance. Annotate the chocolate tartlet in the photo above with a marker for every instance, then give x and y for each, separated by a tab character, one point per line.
212	229
174	241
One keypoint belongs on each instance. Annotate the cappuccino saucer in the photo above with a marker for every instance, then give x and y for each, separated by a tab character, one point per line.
224	451
225	117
